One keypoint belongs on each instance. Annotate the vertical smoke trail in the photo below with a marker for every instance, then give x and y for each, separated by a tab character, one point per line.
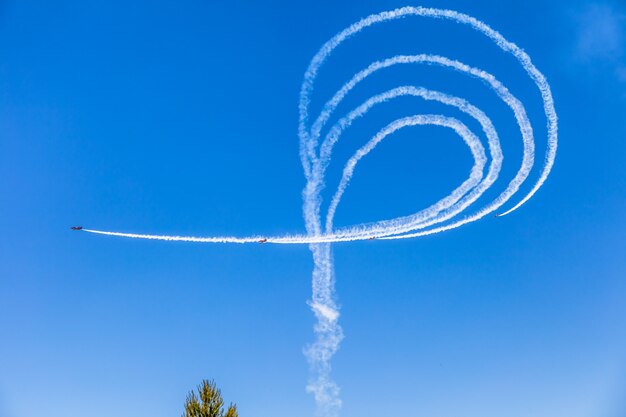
327	330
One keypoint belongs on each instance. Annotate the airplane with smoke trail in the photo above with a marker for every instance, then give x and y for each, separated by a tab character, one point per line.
446	214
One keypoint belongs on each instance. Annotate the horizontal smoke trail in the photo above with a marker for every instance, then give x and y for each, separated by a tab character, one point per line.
316	158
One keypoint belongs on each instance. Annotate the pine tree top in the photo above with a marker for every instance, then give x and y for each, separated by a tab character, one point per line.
208	402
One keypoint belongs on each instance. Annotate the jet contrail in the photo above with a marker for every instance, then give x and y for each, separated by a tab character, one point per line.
315	153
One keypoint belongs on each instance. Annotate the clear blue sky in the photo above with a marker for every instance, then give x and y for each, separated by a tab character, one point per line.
182	118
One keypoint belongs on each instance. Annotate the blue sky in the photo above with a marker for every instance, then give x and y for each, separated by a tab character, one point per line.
182	118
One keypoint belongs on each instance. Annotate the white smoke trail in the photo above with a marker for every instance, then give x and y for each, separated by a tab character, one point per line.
439	217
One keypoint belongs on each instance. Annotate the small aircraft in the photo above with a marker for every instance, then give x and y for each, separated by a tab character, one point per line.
262	240
77	228
371	238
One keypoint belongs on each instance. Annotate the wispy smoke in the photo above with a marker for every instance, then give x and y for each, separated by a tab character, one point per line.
601	37
316	152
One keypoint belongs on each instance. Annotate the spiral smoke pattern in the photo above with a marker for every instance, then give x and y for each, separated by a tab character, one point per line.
316	155
452	211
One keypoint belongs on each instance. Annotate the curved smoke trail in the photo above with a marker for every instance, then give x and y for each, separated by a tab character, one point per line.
441	216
